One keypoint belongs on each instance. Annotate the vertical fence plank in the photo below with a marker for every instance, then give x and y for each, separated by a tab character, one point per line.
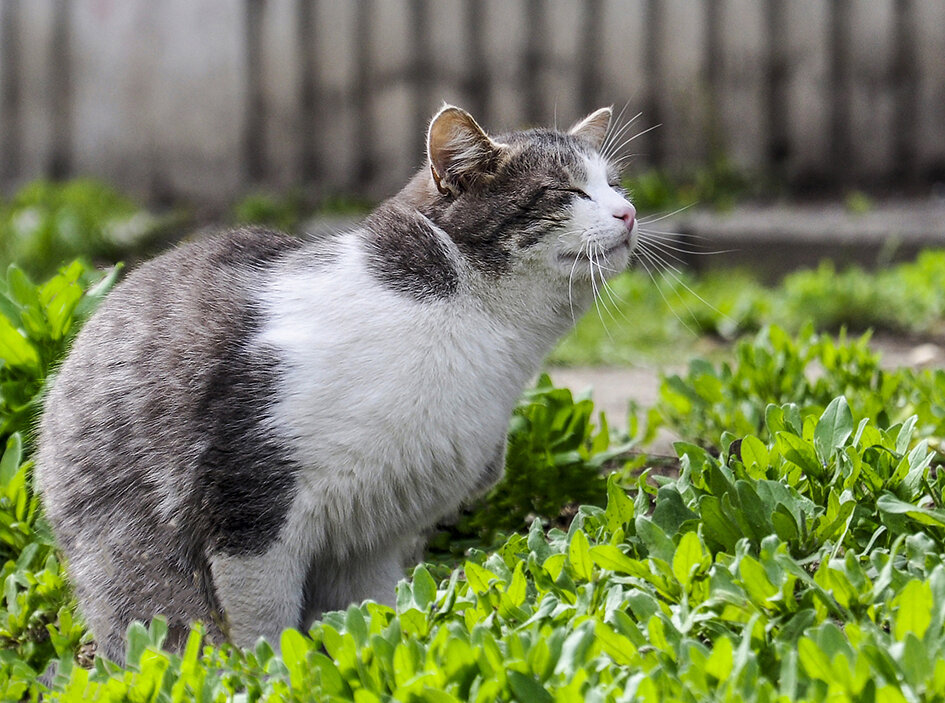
809	92
743	83
478	77
624	34
60	157
930	99
589	55
682	95
37	79
254	131
505	27
533	60
392	91
871	112
364	79
422	69
11	117
340	132
113	121
655	101
279	76
454	53
905	81
561	80
199	93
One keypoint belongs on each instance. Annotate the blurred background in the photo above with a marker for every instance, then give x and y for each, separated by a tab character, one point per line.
788	156
200	101
782	151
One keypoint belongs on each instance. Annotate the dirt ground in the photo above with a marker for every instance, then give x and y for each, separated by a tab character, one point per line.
614	388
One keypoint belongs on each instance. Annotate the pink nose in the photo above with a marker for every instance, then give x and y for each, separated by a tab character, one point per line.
627	213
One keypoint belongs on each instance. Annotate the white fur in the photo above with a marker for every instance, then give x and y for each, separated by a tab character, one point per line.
394	408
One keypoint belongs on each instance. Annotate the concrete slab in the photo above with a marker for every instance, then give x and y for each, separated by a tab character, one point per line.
776	239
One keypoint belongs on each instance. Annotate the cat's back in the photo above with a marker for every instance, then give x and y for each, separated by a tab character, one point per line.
131	402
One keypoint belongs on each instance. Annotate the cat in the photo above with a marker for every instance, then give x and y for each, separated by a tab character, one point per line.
254	428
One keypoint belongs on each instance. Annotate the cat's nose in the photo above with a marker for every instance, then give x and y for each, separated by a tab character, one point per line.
627	213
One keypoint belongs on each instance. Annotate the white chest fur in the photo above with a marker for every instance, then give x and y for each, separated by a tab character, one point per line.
393	407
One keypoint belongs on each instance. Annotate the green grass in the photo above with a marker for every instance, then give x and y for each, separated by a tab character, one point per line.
668	319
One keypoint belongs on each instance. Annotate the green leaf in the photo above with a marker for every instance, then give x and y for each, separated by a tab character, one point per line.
526	688
424	587
579	555
16	351
294	648
833	428
799	452
915	609
670	511
754	452
719	663
12	457
355	625
927	516
609	557
619	512
717	526
688	557
814	661
518	587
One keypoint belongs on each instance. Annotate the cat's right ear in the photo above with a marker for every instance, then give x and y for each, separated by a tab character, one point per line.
460	152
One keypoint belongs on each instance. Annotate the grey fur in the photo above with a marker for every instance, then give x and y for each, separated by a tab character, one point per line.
148	425
164	474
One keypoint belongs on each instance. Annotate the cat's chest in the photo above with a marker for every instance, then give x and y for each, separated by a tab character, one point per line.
371	378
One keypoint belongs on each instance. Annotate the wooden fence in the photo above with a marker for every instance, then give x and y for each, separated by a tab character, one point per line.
203	99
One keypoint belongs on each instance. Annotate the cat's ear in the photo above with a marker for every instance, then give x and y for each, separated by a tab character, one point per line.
460	152
593	128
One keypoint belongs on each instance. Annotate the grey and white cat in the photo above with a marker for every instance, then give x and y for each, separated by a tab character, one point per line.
254	429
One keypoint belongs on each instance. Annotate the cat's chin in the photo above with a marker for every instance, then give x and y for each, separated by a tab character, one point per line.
603	261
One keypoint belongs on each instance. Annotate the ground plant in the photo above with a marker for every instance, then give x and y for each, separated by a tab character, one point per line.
794	552
796	556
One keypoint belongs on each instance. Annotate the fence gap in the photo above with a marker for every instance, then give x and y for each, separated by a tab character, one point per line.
533	61
840	92
590	55
477	80
713	67
776	106
60	157
366	167
905	81
422	70
653	66
254	138
309	122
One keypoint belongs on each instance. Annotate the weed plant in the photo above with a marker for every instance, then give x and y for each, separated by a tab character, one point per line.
45	225
796	557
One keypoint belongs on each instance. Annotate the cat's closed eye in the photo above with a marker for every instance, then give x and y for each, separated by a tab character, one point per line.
571	189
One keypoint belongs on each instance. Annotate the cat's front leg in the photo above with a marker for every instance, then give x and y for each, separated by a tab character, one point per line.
260	596
334	583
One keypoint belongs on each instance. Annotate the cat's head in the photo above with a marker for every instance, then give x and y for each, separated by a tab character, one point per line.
538	198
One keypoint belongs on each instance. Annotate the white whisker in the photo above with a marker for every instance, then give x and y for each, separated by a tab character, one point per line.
664	217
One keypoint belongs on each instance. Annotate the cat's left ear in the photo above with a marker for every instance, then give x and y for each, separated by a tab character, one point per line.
460	152
593	128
